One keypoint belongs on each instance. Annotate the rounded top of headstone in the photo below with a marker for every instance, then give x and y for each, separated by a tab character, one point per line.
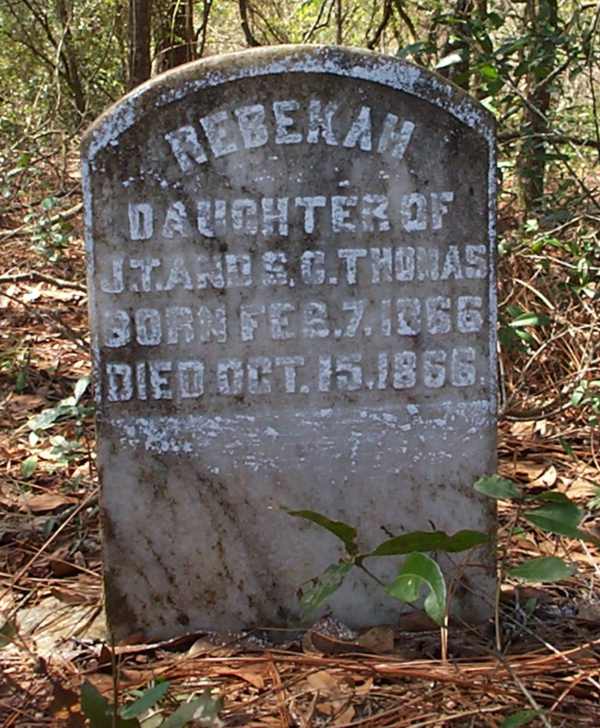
388	71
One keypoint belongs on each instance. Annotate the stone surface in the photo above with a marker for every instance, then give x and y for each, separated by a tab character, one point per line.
291	274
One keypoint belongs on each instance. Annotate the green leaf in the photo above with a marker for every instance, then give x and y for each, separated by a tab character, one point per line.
499	488
552	496
448	60
28	466
522	717
346	534
146	701
419	570
204	710
543	569
529	319
44	420
95	706
594	503
561	517
578	394
411	49
488	72
430	541
99	711
80	388
324	586
49	202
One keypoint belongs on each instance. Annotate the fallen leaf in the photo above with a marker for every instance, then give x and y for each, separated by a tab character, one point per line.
547	478
314	641
66	295
581	488
200	647
60	564
249	676
345	716
64	707
522	429
24	402
364	688
324	681
68	596
46	502
525	468
32	294
589	612
416	622
11	292
332	708
378	640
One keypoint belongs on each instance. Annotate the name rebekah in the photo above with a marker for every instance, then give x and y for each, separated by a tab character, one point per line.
253	125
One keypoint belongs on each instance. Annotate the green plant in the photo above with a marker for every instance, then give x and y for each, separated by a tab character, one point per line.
513	333
418	571
61	451
51	235
203	711
549	511
587	394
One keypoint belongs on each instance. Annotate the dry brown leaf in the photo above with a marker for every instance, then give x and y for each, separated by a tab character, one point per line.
46	502
324	681
581	488
11	292
250	676
522	429
345	716
314	641
547	478
378	640
61	564
201	646
24	401
8	501
547	548
69	596
528	469
589	612
64	708
332	708
67	295
416	622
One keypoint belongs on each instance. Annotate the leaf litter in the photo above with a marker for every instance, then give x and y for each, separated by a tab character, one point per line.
52	633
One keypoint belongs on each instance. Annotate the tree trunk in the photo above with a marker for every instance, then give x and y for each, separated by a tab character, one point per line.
175	42
140	14
460	73
68	57
542	18
245	20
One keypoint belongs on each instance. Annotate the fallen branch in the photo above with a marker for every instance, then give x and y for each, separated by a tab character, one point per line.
59	217
37	275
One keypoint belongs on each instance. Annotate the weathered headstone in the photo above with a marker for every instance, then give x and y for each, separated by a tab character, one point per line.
291	274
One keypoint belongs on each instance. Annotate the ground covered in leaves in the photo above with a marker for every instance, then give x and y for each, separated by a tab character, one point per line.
542	656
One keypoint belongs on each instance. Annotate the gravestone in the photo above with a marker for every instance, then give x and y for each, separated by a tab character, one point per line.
291	276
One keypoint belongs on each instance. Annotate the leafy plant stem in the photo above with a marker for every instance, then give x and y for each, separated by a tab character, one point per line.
444	638
115	679
497	627
361	566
